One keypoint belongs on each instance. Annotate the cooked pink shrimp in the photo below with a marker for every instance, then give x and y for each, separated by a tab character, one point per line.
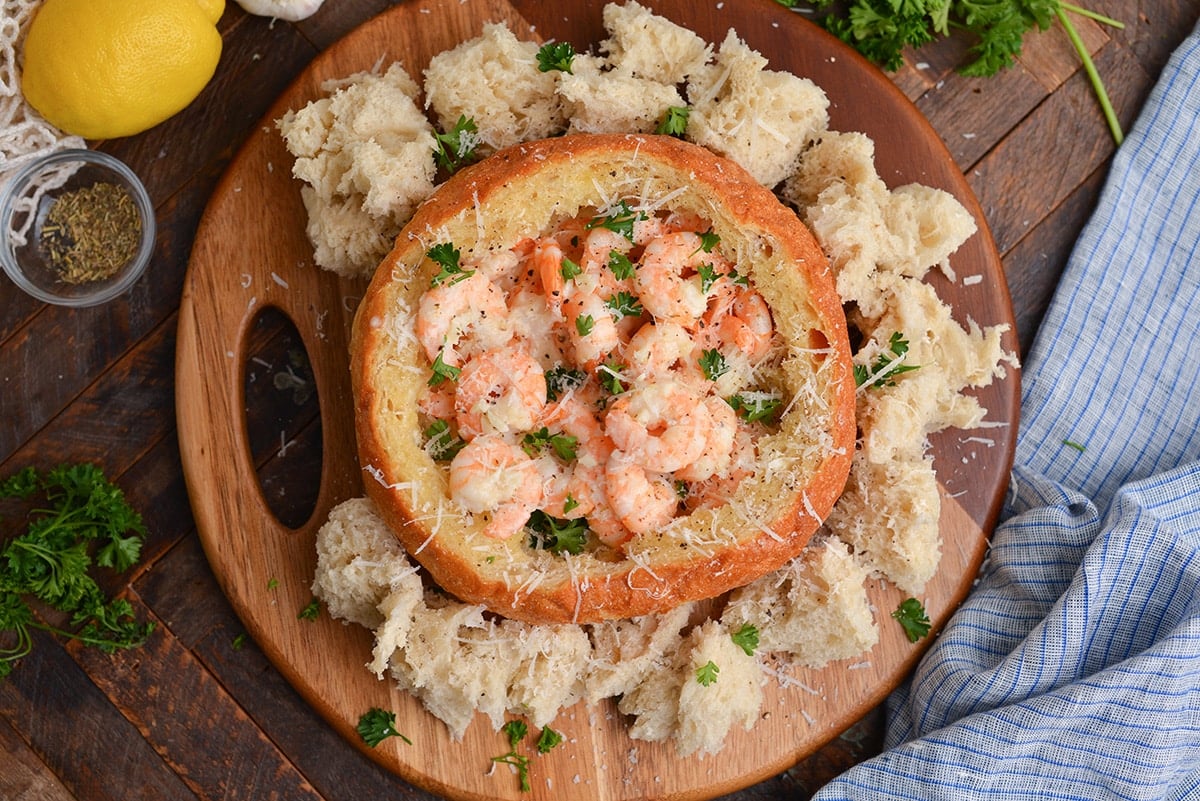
598	247
641	500
547	264
720	487
591	328
502	267
658	349
437	402
666	278
718	443
739	316
500	391
663	425
603	522
449	312
494	477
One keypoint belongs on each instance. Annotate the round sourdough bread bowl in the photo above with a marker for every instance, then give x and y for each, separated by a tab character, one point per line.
802	462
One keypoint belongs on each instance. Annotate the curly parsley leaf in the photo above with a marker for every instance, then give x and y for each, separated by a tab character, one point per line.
621	221
746	638
620	265
446	256
555	534
625	304
563	445
713	364
706	674
442	371
887	365
311	611
85	521
547	740
912	617
561	380
456	147
611	377
441	443
584	324
755	406
674	121
555	56
376	725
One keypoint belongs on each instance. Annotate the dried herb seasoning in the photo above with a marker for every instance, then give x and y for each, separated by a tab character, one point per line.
91	233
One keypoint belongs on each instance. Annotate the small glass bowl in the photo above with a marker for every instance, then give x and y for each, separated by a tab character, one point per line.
25	202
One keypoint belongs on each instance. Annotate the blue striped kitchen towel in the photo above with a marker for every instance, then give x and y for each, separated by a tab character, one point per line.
1072	671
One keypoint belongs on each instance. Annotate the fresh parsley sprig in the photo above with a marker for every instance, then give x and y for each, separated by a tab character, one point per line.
86	521
554	56
620	221
555	534
446	256
376	725
456	147
887	365
881	29
912	617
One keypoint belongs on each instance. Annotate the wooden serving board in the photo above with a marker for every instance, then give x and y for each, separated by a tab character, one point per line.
251	254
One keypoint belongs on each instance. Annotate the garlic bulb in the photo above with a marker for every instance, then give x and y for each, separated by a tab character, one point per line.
290	10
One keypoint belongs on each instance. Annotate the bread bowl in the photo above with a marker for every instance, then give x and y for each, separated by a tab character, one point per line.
497	206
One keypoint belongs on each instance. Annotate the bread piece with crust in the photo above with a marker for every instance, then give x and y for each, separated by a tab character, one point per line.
802	463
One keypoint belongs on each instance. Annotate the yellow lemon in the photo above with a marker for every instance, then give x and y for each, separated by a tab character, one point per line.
107	68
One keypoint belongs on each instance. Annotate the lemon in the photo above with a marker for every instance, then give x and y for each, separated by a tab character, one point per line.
101	69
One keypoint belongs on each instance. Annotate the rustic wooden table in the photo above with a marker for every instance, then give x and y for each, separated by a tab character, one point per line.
199	712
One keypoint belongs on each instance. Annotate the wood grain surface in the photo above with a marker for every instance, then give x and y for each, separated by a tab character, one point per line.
201	712
251	253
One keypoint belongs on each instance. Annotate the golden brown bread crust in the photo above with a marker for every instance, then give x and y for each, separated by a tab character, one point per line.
520	192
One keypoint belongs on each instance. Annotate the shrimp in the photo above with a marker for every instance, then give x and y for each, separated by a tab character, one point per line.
547	264
437	402
657	349
499	391
591	328
603	522
502	267
494	477
741	317
666	278
718	442
641	500
663	425
717	489
449	313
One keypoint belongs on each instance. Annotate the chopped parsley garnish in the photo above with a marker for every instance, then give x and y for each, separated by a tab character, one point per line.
887	366
311	611
708	276
561	380
755	407
555	56
569	269
738	278
563	445
713	364
706	674
911	615
456	147
709	240
620	221
569	504
681	489
442	371
515	730
446	256
441	442
674	121
84	520
584	324
376	725
620	265
555	534
746	638
624	304
547	740
610	377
